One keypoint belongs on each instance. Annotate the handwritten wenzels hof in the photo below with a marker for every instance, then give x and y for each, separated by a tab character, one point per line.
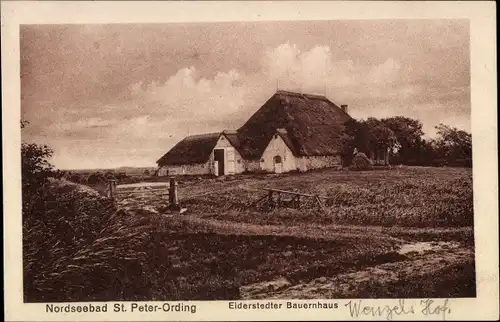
249	160
435	309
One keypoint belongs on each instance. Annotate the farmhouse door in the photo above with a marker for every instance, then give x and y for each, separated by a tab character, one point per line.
230	167
219	157
278	165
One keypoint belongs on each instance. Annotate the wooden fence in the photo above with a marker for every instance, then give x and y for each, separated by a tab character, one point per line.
283	198
145	191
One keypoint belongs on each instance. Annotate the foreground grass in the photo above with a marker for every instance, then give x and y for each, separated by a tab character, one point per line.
79	247
402	279
407	197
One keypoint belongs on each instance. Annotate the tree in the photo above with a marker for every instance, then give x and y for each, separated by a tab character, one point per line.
383	137
453	144
370	136
35	171
403	138
35	163
427	152
355	136
408	133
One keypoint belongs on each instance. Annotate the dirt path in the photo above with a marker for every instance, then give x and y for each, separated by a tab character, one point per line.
328	232
426	261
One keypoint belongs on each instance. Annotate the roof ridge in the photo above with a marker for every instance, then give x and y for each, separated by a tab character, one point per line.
302	95
315	96
202	135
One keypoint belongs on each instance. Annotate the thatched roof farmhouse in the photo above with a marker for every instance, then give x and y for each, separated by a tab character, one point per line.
290	132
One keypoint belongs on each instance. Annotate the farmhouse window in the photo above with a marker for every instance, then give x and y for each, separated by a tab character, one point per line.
276	136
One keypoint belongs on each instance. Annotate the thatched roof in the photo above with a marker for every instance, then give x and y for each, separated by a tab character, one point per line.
194	149
313	125
283	133
310	125
232	137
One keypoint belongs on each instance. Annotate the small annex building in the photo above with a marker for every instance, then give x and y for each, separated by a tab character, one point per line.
211	153
290	132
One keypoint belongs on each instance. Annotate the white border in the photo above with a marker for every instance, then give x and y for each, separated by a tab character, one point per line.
483	123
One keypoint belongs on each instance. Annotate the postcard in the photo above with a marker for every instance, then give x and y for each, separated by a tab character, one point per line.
248	161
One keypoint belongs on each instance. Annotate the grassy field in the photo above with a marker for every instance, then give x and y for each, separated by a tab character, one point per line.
223	248
409	197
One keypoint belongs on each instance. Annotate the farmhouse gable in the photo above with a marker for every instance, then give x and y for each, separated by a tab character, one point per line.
313	125
290	131
279	155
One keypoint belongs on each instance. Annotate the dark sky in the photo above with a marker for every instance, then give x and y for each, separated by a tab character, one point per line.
123	94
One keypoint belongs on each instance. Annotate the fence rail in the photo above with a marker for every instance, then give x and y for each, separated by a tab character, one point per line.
145	190
278	198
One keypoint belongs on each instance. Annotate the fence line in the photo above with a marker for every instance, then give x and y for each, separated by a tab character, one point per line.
167	190
296	200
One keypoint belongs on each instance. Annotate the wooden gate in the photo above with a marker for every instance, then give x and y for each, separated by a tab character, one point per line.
276	198
143	190
146	191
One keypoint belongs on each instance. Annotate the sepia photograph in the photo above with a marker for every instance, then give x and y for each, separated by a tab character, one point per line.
247	160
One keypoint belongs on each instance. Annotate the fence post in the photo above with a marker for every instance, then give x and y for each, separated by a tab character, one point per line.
112	188
270	201
172	195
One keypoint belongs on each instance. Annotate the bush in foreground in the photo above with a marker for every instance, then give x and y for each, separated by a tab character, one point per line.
77	246
76	242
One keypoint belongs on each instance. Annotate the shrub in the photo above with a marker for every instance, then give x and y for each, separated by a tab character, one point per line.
76	178
120	175
361	162
78	246
95	178
36	170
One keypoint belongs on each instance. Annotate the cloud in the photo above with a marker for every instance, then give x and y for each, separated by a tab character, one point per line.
384	73
309	71
151	114
315	69
231	93
186	93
